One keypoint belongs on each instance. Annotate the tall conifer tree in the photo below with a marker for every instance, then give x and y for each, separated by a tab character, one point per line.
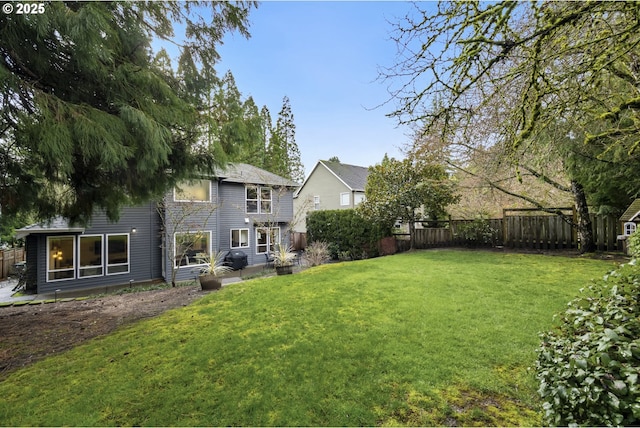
89	118
283	151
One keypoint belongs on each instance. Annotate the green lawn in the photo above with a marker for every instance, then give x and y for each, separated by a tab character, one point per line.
422	338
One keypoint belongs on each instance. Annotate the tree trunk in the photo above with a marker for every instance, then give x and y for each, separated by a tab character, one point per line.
412	233
585	231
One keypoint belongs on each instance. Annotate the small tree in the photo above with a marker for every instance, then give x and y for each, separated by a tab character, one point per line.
397	189
187	217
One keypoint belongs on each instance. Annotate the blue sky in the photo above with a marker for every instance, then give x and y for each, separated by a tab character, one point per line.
325	57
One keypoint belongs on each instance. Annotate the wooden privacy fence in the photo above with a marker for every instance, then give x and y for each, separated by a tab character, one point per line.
8	258
541	232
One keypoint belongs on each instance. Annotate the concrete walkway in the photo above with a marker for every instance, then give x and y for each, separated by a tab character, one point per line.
7	295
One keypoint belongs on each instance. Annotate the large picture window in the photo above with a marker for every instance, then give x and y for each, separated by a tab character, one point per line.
239	238
117	254
267	238
90	256
61	257
191	247
193	191
258	200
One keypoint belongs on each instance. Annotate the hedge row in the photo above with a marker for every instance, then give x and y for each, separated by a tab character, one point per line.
589	367
348	234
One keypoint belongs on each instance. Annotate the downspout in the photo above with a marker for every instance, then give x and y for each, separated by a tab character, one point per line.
217	215
151	231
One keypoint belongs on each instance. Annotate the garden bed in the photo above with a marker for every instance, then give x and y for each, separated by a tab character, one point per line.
33	331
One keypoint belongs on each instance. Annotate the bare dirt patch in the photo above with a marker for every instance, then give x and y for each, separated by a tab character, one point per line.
32	332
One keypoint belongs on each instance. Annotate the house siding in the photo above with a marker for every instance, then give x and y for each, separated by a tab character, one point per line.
188	217
227	211
151	247
233	215
321	183
144	257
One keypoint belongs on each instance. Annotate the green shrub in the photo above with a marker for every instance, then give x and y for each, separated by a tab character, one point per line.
633	242
588	367
346	232
478	232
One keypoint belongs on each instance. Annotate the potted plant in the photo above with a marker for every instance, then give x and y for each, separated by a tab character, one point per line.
283	260
213	267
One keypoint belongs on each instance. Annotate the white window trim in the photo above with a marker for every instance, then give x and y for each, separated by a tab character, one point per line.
269	244
231	238
106	253
102	259
629	227
270	200
191	232
196	201
348	195
316	203
259	199
66	269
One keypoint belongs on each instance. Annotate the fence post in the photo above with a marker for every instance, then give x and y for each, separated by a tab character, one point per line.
504	227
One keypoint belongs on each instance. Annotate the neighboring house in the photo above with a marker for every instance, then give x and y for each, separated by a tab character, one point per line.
630	218
330	186
243	208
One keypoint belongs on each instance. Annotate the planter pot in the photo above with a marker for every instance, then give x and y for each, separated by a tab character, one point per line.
210	282
284	270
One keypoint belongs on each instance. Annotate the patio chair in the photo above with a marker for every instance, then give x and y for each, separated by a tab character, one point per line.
268	261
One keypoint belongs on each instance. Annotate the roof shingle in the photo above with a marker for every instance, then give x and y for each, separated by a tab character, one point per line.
631	212
353	176
245	173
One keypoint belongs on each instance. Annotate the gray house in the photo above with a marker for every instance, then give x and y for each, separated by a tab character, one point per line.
242	208
330	186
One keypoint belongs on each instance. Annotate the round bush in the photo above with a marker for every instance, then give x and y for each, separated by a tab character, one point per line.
588	367
633	242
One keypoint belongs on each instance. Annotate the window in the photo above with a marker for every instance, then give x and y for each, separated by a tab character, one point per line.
358	198
252	199
258	200
629	228
90	256
316	203
193	191
239	238
61	257
117	254
267	238
345	199
191	247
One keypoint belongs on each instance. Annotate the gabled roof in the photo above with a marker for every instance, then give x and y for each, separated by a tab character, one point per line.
352	176
56	225
245	173
633	212
355	177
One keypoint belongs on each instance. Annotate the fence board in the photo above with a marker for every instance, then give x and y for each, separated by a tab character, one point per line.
539	232
8	258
